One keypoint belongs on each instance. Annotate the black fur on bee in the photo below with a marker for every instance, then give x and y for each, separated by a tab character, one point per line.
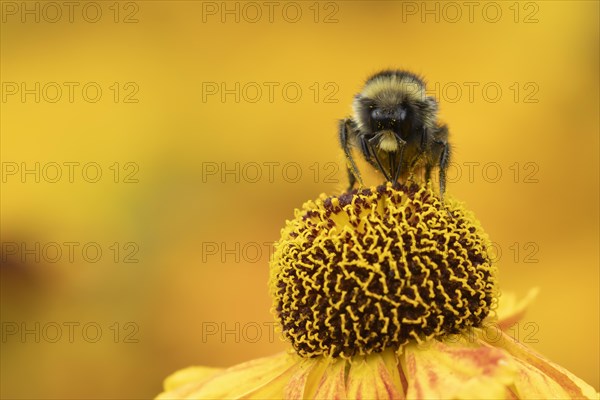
395	127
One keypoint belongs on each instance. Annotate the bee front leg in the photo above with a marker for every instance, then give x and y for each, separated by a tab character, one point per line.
372	145
401	145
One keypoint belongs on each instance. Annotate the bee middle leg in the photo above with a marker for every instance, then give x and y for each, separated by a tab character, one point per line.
420	154
353	173
443	165
442	152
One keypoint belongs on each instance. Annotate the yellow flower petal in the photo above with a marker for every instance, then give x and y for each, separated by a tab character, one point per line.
370	378
480	364
276	387
539	378
463	370
510	310
238	381
187	375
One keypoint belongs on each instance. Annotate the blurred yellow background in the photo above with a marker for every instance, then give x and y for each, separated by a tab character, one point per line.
209	122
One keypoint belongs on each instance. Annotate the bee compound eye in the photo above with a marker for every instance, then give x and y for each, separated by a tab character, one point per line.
401	113
377	114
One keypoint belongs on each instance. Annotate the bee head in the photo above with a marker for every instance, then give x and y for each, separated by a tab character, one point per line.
376	117
396	101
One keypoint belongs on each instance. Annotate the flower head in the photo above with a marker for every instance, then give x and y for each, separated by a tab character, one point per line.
385	293
374	269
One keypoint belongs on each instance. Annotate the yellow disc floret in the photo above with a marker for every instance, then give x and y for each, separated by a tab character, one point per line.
375	268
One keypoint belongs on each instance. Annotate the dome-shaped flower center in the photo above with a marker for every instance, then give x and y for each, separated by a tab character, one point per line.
375	268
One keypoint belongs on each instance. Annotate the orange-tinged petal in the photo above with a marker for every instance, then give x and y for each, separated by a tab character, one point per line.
369	378
332	382
463	370
510	310
540	378
298	384
510	394
531	383
392	363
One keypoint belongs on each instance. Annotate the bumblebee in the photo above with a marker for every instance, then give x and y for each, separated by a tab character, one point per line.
395	128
